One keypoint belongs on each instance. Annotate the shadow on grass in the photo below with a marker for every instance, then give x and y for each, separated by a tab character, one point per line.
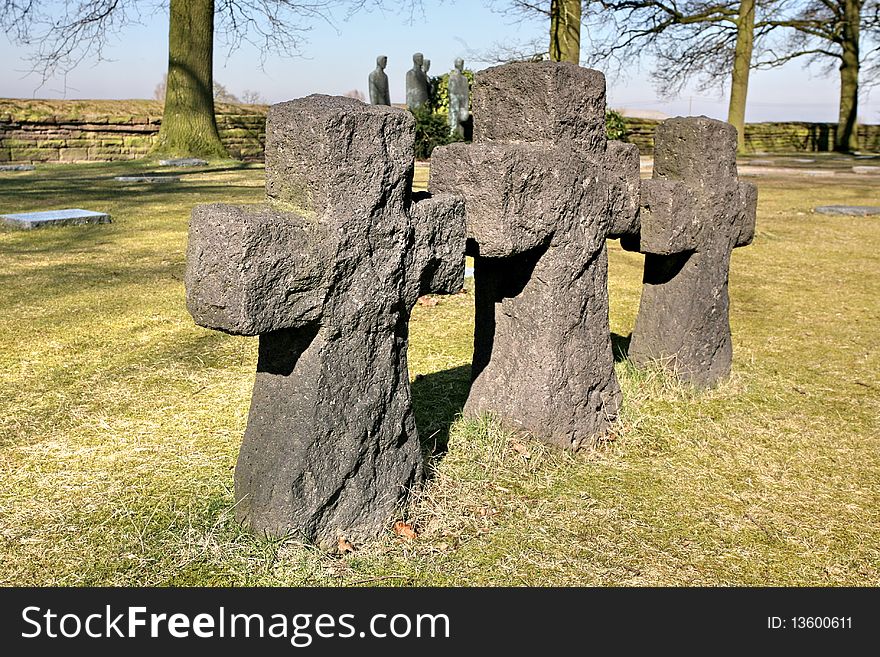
63	185
620	346
54	239
438	398
34	198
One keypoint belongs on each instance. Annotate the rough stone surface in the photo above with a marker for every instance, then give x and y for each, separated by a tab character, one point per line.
183	162
543	191
17	167
69	217
853	210
694	212
147	179
326	273
551	104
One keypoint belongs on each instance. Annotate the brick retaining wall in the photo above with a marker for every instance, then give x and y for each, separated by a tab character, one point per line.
102	130
769	137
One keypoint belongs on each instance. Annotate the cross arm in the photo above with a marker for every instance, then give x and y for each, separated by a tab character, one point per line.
439	243
510	194
748	206
669	219
254	270
622	174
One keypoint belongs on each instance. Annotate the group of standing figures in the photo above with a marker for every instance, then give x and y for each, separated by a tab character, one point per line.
418	90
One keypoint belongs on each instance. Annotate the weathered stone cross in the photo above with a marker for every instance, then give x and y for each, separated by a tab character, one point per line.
694	212
326	273
543	189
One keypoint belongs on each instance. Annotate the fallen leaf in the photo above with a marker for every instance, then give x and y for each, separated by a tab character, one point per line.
405	530
521	449
344	546
428	301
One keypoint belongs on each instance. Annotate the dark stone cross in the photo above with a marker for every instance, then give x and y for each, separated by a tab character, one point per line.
326	273
694	212
543	190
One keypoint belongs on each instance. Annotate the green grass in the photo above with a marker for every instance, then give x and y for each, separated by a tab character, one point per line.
120	419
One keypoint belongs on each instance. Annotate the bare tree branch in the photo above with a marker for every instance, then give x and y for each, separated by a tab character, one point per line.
86	27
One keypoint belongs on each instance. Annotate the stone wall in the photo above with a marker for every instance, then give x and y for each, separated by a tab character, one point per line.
769	137
101	130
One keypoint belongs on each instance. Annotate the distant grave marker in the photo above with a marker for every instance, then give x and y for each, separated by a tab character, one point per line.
147	179
851	210
67	217
183	162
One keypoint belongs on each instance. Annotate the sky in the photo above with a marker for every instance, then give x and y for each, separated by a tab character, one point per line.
337	58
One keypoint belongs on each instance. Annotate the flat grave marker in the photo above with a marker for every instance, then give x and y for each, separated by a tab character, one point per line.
850	210
66	217
147	179
183	162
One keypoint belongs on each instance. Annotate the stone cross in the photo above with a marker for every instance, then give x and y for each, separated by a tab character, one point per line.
694	212
543	189
326	273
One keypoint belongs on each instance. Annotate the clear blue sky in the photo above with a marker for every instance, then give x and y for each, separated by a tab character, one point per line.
337	58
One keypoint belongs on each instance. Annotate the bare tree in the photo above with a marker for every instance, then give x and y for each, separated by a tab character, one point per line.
251	97
221	93
713	42
565	31
82	29
563	18
709	42
841	33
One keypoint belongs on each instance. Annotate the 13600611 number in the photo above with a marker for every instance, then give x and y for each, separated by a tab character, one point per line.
821	622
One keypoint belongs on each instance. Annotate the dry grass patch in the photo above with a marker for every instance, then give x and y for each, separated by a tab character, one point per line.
120	420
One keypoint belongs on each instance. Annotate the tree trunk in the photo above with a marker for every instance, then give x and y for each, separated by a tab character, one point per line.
565	31
742	62
189	127
846	136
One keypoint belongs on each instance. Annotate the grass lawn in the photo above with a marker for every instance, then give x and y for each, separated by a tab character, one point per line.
120	420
